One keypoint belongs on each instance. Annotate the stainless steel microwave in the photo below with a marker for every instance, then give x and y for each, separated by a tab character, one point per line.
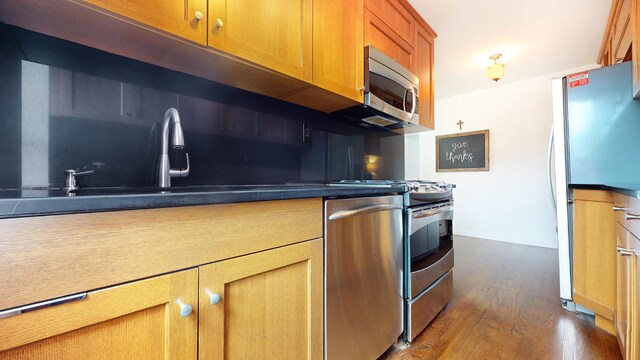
390	95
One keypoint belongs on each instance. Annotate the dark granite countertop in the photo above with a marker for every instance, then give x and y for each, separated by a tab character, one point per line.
627	189
32	202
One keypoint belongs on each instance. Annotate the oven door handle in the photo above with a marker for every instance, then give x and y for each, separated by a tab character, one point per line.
364	210
431	212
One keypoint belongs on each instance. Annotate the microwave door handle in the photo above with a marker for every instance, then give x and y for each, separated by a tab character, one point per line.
404	100
413	103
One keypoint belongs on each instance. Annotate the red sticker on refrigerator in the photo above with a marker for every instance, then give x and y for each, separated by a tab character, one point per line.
579	79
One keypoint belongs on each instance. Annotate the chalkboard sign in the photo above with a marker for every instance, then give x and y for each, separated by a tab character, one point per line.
463	152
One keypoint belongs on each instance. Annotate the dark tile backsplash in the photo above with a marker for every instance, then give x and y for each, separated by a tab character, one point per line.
66	106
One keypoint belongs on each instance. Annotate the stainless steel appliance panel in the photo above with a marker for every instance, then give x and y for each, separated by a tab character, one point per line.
363	276
422	278
424	308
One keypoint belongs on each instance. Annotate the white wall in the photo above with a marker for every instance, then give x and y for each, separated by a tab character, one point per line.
511	202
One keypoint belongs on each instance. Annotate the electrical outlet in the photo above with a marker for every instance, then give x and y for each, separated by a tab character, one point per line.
306	133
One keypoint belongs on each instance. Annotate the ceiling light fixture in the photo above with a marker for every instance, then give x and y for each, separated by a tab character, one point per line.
496	71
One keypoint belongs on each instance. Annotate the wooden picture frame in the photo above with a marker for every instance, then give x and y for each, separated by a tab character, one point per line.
468	151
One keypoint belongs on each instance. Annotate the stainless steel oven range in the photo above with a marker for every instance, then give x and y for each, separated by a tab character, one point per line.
428	253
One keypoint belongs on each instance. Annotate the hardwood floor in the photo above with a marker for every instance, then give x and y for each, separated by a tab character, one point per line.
506	305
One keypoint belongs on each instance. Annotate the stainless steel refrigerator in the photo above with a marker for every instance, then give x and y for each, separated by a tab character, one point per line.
595	141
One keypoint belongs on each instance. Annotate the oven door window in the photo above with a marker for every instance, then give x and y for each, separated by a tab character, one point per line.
430	243
391	92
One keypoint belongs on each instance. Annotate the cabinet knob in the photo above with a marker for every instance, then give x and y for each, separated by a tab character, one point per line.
199	15
219	23
185	309
214	298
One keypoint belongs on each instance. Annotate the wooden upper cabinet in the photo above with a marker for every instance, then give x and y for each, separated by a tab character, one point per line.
186	18
635	46
276	34
263	305
338	50
423	68
139	320
395	15
382	37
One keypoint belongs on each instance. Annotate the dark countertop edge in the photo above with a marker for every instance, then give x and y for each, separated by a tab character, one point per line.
25	207
622	189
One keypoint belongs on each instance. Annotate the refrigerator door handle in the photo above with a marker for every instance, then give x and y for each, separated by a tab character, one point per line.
549	177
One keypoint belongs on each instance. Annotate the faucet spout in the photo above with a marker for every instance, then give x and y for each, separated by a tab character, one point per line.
165	172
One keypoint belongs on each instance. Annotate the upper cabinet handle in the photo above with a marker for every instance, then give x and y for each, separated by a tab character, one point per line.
618	208
219	23
199	15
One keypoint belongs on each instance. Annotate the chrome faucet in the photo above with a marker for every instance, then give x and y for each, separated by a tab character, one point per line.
165	172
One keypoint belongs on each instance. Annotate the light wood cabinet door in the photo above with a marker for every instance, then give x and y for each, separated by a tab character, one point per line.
634	316
424	70
338	50
623	291
382	37
635	46
394	14
186	19
139	320
594	254
269	305
276	34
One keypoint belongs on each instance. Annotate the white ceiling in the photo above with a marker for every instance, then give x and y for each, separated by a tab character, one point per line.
535	37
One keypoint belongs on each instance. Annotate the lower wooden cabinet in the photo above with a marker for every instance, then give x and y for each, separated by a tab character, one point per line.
594	258
139	320
264	305
624	279
627	315
258	306
226	281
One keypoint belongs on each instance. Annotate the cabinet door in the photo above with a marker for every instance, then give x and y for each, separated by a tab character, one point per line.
594	255
424	70
264	305
176	17
276	34
395	15
635	46
634	316
382	37
338	51
623	294
140	320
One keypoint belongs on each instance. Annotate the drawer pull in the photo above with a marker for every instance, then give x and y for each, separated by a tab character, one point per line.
41	305
214	298
624	252
618	208
631	216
